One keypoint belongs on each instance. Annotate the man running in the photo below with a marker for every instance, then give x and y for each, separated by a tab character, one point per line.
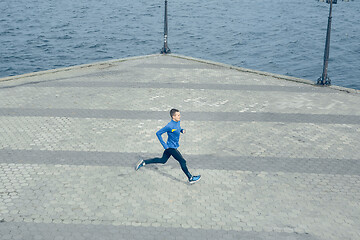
173	131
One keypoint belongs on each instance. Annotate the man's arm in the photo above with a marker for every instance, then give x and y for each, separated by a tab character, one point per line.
161	132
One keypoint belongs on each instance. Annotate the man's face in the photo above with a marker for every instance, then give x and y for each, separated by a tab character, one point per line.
176	117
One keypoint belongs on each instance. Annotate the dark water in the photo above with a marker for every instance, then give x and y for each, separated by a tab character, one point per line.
279	36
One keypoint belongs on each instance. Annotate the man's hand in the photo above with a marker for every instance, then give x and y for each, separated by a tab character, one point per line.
183	131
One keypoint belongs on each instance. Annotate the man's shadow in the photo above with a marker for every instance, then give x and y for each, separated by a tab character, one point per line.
157	170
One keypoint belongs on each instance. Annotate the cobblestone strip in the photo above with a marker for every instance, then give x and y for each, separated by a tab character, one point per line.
159	196
48	231
193	116
212	162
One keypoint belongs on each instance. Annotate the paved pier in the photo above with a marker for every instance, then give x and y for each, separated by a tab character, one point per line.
279	157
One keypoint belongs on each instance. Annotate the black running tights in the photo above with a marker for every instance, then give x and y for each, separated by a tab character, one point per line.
165	157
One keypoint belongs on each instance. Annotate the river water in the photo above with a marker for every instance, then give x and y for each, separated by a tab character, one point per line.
278	36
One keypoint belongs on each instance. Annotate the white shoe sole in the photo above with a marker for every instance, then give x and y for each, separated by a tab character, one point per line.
138	164
192	182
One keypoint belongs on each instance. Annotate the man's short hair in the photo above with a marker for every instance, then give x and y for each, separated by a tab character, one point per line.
173	111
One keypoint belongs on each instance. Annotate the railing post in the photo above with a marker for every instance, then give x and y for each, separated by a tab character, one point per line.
324	79
165	49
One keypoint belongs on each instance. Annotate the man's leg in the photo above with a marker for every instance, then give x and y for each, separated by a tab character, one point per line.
177	155
166	155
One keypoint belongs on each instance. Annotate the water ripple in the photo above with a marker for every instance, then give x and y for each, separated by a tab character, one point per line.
279	36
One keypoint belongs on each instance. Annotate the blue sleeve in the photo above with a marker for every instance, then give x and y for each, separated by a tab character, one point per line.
161	132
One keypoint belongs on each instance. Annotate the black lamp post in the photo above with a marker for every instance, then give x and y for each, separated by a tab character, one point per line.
165	49
324	79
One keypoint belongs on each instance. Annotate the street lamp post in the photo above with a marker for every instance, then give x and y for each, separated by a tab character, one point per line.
165	49
324	79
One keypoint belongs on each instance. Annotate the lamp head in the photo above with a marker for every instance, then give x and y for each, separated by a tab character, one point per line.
333	1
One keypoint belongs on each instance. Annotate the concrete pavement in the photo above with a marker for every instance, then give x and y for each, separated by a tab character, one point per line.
279	157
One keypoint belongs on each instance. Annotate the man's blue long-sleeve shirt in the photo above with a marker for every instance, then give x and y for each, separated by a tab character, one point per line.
173	130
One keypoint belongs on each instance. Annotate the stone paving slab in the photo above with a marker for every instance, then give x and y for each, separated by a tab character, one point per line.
279	159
